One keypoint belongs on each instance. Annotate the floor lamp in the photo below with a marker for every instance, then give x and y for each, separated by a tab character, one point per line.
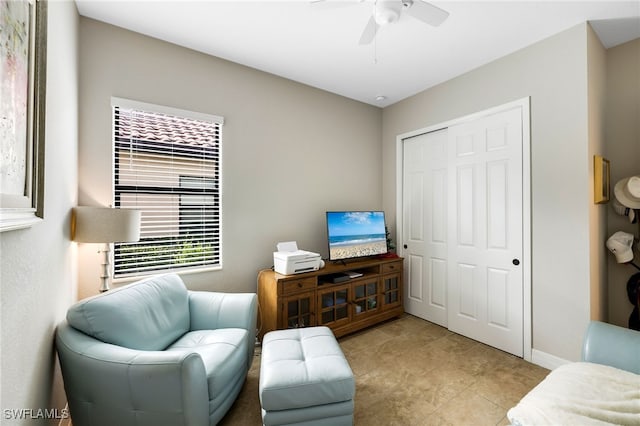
105	225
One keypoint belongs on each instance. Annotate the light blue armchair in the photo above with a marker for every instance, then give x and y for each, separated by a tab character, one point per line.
154	353
611	345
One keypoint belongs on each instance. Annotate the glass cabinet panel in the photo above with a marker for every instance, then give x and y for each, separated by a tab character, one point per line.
366	297
298	311
328	300
391	290
334	303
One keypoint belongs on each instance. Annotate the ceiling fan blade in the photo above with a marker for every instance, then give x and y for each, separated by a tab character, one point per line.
426	12
369	31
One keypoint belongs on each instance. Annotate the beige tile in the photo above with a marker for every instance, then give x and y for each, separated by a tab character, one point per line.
412	372
531	370
419	360
469	408
362	362
504	422
454	344
394	408
370	393
365	340
504	385
469	362
414	327
435	393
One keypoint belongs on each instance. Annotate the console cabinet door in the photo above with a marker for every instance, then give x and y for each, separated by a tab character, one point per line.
391	291
333	305
366	298
298	310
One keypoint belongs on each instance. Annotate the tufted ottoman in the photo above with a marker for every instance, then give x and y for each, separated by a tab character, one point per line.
305	379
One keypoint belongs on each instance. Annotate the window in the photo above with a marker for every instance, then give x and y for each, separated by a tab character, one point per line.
167	164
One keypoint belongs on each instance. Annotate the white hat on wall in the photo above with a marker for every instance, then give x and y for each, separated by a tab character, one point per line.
625	211
620	244
627	192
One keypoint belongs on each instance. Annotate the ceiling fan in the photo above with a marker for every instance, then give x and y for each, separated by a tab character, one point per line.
387	12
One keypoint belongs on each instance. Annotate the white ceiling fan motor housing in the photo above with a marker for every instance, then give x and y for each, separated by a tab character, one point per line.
388	12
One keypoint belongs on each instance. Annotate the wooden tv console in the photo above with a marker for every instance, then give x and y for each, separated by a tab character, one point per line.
313	298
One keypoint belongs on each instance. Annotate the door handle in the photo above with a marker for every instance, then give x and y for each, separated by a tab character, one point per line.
515	262
405	246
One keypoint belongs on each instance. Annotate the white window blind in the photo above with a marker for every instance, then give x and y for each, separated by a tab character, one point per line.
167	164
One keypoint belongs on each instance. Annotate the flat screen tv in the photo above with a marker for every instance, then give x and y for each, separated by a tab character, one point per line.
353	234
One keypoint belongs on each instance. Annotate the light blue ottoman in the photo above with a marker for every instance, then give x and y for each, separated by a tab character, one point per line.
305	379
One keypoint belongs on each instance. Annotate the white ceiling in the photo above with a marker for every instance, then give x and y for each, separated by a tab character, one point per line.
317	44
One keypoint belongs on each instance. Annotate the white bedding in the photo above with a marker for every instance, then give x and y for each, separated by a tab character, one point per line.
581	393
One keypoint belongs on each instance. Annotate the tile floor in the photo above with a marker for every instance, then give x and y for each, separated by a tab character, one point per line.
411	372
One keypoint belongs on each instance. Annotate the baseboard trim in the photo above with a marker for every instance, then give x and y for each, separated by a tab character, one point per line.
546	360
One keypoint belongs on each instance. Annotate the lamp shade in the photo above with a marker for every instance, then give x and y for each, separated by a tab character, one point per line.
105	225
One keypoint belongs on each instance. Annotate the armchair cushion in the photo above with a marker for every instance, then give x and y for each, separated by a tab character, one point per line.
222	352
225	310
150	314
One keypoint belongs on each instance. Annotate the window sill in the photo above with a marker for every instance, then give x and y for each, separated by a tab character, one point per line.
117	282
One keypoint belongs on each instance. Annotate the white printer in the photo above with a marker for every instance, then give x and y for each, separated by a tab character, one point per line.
289	260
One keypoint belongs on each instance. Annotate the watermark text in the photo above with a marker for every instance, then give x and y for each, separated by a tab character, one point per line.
35	413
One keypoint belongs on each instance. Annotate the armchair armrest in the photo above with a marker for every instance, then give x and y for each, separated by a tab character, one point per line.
611	345
213	310
104	381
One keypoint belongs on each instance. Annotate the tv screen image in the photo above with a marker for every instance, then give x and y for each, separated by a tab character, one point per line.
356	234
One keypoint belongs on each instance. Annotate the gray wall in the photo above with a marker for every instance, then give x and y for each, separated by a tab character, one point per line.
37	265
290	152
623	150
553	73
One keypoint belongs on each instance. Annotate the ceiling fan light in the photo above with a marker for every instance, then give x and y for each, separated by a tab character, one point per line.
387	12
386	17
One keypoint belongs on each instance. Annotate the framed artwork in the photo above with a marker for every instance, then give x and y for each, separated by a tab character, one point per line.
600	180
23	53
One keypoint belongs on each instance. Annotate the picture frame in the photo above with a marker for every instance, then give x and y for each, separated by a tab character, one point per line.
601	175
23	55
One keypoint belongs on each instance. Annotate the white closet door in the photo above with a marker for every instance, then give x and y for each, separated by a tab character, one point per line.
462	228
485	227
425	226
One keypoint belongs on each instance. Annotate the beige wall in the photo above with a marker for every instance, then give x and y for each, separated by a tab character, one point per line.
622	148
290	152
37	265
553	73
596	94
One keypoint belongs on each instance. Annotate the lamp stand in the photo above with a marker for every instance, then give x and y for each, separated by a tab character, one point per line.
105	278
